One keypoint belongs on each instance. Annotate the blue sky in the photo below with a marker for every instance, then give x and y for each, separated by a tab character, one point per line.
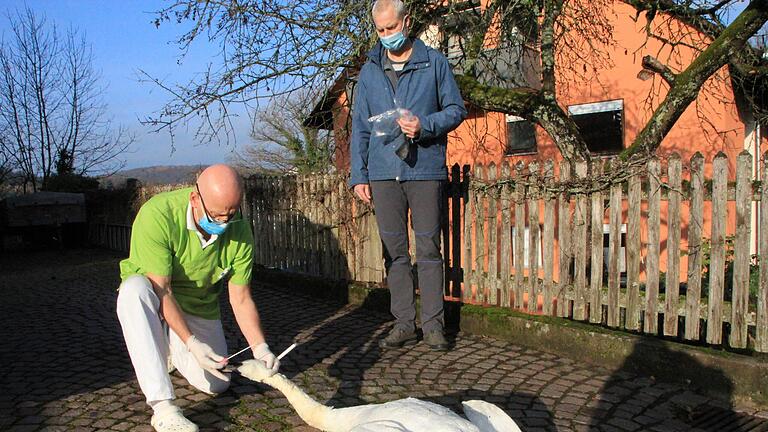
124	40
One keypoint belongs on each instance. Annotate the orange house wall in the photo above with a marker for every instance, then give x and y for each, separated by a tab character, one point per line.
481	138
342	130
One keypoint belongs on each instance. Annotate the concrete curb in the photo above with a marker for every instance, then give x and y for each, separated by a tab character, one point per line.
724	375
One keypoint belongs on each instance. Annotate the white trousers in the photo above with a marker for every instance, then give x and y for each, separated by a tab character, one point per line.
149	342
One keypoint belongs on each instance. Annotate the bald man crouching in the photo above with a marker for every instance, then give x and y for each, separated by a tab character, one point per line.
183	244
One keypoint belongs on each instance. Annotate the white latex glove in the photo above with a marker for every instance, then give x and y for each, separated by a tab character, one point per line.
261	352
255	370
206	358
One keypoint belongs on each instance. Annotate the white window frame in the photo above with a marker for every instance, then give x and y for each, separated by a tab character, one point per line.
598	107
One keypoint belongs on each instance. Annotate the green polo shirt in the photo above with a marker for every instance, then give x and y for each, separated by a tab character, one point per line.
163	244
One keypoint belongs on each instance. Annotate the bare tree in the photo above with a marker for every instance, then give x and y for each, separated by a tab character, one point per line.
266	48
507	55
5	168
282	141
52	118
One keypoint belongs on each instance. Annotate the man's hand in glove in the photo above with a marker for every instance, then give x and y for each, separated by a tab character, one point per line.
261	352
206	358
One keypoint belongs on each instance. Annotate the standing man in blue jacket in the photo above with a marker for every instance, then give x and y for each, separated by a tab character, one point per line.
406	170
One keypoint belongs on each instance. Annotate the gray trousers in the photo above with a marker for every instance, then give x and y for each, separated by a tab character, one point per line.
391	200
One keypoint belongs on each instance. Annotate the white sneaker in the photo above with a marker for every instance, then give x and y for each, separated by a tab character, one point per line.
171	419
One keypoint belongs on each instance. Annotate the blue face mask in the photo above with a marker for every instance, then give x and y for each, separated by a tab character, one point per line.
206	223
394	41
211	227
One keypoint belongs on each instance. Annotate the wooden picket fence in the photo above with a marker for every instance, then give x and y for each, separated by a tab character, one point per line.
579	292
554	263
309	224
110	235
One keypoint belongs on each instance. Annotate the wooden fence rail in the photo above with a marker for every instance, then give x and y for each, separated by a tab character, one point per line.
664	252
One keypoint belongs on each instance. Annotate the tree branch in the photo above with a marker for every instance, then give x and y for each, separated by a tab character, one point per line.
552	9
520	101
654	65
532	105
680	12
689	82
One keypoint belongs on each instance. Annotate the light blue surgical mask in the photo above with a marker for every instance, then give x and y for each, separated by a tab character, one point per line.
211	227
208	224
394	41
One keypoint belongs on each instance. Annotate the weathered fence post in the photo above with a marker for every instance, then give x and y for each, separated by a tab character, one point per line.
672	283
519	244
466	263
741	257
564	250
614	251
695	224
761	334
580	222
480	279
633	248
506	237
533	237
493	247
596	261
717	259
548	240
652	268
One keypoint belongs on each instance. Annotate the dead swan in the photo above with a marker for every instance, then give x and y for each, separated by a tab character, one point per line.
404	415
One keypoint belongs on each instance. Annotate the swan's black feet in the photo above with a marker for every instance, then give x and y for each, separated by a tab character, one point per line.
436	340
397	338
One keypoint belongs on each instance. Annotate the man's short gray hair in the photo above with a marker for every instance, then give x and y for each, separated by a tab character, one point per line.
381	5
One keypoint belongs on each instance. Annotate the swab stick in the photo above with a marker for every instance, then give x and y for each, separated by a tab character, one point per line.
287	350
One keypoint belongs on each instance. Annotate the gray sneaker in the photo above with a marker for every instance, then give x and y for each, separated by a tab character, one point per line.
436	340
397	338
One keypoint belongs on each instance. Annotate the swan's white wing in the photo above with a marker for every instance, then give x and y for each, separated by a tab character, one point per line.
406	415
488	417
380	426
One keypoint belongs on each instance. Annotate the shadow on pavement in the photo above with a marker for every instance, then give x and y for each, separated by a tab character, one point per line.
671	399
59	333
63	357
340	364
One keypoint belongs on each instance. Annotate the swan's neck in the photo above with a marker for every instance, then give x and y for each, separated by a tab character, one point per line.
312	412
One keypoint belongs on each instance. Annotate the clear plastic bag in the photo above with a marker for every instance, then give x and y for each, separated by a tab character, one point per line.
385	124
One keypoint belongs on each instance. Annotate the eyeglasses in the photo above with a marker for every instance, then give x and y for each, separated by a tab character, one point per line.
236	217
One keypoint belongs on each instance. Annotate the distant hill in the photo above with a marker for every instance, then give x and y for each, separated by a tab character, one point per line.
154	175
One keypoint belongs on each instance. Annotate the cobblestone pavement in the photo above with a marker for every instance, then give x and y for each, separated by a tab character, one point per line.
65	367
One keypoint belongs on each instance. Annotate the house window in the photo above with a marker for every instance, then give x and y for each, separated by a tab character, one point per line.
521	136
601	124
455	25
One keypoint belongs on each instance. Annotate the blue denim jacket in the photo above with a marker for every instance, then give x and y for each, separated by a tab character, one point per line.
425	87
